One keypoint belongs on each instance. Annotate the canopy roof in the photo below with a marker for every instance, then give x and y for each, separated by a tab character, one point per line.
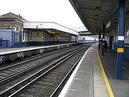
96	13
49	25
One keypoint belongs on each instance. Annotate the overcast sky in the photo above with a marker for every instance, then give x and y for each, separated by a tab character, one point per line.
59	11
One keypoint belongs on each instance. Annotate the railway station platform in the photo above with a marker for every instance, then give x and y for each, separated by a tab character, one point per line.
94	76
13	53
13	50
119	87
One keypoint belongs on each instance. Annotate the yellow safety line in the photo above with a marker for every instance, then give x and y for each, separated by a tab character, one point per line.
108	86
126	45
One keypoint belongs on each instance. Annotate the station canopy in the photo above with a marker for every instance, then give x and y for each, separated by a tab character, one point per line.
48	25
96	13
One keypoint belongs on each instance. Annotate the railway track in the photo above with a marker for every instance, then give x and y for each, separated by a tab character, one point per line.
42	80
12	71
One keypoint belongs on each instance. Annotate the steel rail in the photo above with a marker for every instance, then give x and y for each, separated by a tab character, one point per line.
11	76
65	79
44	70
26	61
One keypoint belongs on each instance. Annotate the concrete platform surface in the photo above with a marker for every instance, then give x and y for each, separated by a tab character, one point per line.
120	87
14	50
87	79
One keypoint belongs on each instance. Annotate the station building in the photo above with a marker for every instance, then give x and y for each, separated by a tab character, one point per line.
15	31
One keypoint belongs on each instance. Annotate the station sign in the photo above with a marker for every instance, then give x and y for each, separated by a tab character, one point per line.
83	33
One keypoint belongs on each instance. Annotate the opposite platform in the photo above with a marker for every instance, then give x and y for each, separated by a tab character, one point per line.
11	54
22	49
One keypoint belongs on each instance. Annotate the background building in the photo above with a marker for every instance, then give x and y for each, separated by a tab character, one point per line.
15	31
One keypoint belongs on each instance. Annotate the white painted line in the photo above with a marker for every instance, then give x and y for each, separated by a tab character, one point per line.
67	85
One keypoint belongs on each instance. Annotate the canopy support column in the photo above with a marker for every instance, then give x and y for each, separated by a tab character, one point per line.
121	32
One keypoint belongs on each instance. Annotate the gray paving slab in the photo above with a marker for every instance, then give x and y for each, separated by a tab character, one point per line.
100	89
120	87
81	86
